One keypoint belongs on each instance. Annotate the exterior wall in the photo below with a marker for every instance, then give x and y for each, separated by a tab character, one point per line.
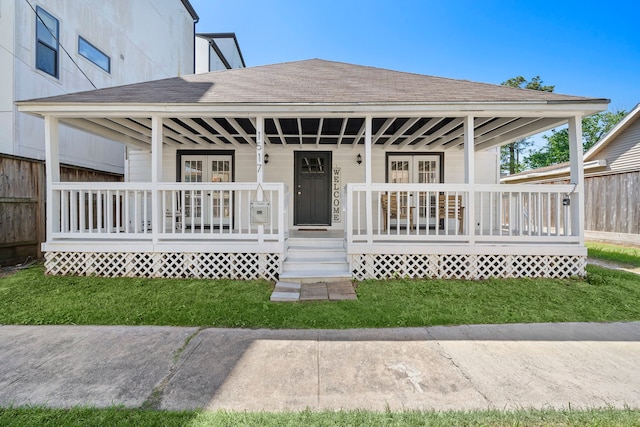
7	111
280	166
202	55
623	153
144	39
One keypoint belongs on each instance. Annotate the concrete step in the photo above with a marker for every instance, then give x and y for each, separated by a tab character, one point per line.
328	266
313	276
316	243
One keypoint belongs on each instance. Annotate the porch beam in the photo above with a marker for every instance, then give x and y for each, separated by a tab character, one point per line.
360	135
52	172
180	132
156	176
234	123
533	128
319	133
105	133
437	134
343	128
203	131
283	140
299	121
121	129
383	129
576	168
457	137
222	131
417	134
168	133
505	129
401	131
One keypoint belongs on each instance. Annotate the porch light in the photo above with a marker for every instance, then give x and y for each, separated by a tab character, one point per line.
266	159
359	159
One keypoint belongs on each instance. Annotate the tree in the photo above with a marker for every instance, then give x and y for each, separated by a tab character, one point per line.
510	154
556	150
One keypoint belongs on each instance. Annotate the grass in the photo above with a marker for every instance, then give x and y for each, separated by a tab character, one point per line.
626	255
134	417
29	297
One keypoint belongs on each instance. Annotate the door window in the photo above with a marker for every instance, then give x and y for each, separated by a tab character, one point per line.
419	169
211	207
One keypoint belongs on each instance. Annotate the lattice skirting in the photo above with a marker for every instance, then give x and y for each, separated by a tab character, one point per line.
385	266
245	266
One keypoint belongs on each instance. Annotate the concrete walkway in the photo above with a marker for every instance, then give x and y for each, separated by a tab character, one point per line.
465	367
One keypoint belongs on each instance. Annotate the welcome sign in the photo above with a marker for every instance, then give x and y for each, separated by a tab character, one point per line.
335	190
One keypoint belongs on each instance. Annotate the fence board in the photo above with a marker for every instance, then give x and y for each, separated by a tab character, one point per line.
612	203
22	204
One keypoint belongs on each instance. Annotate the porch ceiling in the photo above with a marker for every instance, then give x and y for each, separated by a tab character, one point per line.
392	132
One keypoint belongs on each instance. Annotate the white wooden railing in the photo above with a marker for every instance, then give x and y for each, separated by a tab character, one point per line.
188	211
445	213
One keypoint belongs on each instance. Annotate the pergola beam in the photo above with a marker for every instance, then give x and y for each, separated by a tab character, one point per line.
437	134
417	134
234	123
533	128
401	131
105	133
203	131
222	131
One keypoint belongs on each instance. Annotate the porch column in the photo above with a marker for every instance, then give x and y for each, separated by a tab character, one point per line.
367	177
157	216
260	169
576	167
52	172
469	177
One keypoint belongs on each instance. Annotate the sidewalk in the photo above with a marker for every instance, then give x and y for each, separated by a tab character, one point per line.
463	367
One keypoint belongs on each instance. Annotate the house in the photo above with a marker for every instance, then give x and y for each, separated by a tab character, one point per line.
55	47
314	169
612	183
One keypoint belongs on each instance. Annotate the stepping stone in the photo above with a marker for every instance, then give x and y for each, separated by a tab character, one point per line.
343	287
313	292
285	296
342	297
287	287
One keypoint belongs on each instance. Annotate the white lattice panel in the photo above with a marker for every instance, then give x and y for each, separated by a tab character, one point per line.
197	265
377	266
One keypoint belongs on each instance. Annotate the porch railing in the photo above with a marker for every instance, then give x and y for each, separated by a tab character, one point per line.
443	213
190	211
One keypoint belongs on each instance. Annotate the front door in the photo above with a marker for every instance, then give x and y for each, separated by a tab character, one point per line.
419	169
312	181
210	208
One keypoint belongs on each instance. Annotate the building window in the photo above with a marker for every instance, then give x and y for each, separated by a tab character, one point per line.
94	54
47	33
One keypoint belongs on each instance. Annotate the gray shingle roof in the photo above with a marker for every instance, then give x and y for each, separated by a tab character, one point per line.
309	82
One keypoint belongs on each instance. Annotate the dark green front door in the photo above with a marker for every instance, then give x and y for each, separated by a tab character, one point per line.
312	193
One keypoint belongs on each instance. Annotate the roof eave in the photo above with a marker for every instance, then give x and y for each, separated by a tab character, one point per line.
565	108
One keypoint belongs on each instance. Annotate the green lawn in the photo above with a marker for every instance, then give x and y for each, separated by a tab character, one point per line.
31	298
134	417
626	255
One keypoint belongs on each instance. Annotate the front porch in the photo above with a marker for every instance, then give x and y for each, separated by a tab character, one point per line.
227	173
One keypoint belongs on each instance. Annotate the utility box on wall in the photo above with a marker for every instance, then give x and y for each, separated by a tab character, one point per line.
260	213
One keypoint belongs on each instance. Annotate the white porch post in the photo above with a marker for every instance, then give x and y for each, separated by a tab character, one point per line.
367	177
577	177
469	177
260	169
157	216
52	171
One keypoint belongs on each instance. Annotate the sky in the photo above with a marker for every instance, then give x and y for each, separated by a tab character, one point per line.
584	48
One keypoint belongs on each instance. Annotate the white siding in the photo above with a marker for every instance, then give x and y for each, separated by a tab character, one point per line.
280	166
623	153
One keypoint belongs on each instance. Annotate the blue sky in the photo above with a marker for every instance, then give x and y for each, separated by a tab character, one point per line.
584	48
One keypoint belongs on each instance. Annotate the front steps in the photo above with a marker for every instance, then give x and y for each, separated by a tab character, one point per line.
311	260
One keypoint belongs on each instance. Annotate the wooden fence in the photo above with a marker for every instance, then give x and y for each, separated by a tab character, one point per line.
22	204
612	203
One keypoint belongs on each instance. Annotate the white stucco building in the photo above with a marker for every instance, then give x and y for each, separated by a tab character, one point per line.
56	47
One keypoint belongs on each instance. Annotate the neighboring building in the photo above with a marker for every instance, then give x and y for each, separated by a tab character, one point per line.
315	169
56	47
612	182
217	51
